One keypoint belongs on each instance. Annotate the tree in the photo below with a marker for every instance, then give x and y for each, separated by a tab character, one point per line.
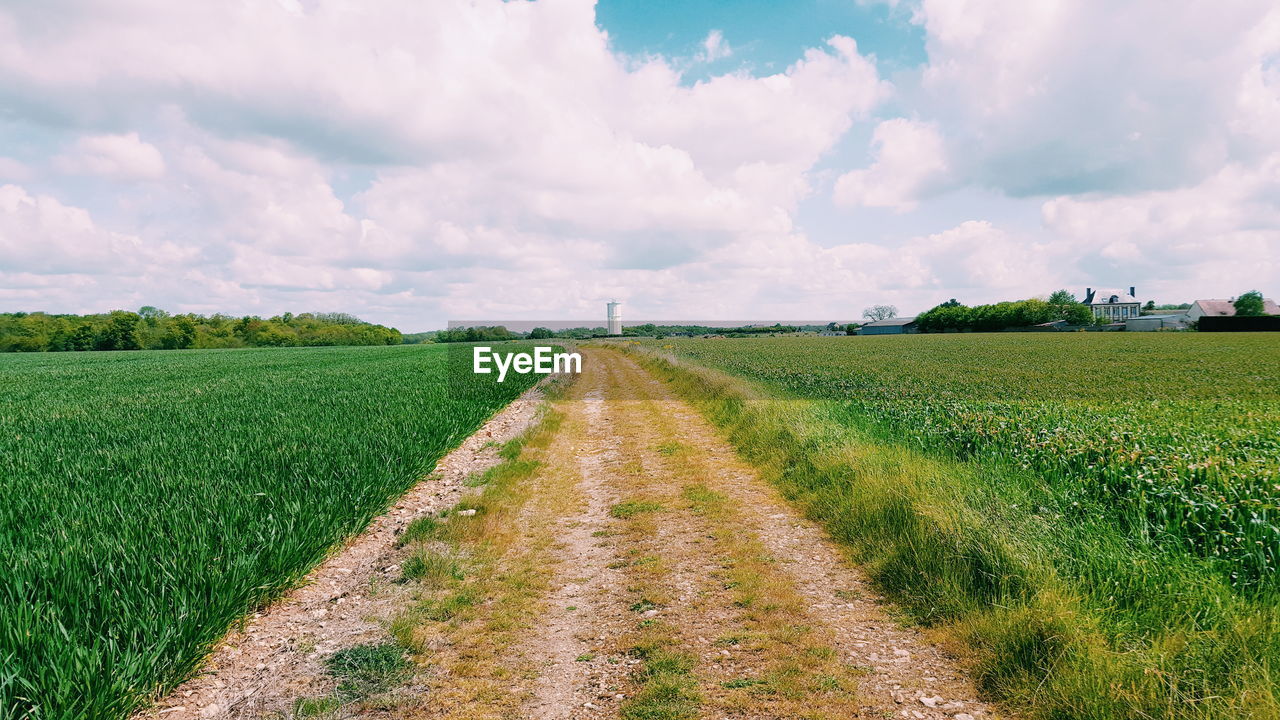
1150	306
540	333
151	314
880	312
181	334
1077	314
120	333
1249	304
1061	297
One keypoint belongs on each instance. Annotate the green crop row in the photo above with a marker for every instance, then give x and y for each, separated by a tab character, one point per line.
1174	437
148	500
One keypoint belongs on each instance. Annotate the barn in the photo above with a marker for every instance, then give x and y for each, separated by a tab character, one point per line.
892	326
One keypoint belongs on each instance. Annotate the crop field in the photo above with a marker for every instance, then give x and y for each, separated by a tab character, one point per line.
1180	433
1143	470
150	499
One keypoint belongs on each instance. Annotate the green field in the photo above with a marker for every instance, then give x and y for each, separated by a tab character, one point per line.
1097	515
152	498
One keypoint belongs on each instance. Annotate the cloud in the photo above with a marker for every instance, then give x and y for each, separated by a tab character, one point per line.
715	47
12	170
910	161
414	161
1072	97
39	234
1210	239
124	157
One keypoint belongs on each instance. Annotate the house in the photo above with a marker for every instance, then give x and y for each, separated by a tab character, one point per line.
1113	304
892	326
1224	308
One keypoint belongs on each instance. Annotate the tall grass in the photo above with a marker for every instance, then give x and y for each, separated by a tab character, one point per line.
1066	611
148	499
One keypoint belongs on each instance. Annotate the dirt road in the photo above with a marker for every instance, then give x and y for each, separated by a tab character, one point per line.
675	553
627	564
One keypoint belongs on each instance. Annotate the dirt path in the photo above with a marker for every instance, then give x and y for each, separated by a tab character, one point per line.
630	565
678	544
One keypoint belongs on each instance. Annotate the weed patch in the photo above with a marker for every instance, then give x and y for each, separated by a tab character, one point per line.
364	670
631	508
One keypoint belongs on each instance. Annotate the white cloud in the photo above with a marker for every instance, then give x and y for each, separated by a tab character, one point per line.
421	160
12	170
1219	237
125	157
498	137
910	161
39	234
1068	97
715	47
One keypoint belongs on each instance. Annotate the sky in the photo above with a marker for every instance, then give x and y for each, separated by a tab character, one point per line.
415	162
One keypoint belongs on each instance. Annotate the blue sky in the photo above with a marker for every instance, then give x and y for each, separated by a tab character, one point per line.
765	36
414	162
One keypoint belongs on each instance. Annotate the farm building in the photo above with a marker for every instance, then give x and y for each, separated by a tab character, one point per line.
1113	304
892	326
1225	308
1150	323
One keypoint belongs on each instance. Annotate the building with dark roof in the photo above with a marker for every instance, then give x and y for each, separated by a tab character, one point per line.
892	326
1113	304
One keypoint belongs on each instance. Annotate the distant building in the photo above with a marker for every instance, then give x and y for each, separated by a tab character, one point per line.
614	310
892	326
1151	323
1224	308
1112	304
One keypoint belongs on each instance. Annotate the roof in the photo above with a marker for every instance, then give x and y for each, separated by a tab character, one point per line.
1227	308
891	322
1102	296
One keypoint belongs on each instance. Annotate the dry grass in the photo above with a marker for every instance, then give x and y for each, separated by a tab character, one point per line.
482	582
782	663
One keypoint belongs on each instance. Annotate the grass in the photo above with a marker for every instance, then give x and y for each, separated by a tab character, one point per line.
1069	608
744	589
152	498
631	508
431	565
484	580
668	688
364	670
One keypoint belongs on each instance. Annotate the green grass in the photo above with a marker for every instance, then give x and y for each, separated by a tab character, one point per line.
933	460
152	498
364	670
432	566
668	688
631	508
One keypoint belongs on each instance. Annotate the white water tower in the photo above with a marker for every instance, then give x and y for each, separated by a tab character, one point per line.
615	317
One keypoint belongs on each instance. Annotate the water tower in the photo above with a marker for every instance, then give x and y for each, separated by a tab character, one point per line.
615	317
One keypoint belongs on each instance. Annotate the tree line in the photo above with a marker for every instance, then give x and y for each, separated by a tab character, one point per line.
953	316
154	329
